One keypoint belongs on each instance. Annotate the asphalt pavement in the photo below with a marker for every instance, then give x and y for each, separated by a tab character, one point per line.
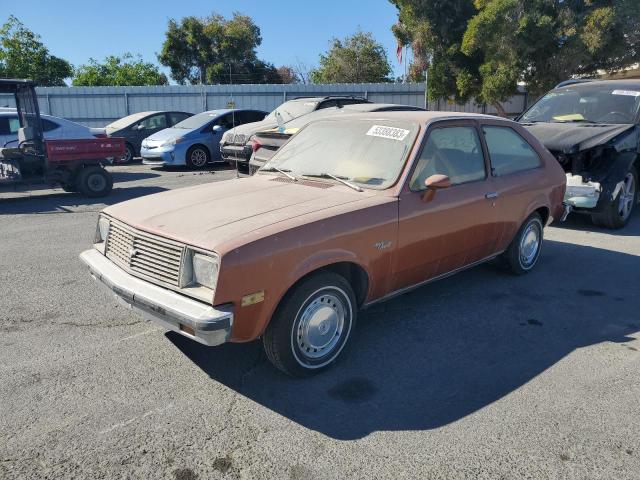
481	375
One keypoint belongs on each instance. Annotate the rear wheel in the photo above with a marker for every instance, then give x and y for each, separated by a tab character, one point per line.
94	181
617	212
312	325
197	157
524	251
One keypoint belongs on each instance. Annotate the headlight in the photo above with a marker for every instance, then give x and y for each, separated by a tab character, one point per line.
102	232
172	142
200	269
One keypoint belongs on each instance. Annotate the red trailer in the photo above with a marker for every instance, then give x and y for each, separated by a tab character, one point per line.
76	165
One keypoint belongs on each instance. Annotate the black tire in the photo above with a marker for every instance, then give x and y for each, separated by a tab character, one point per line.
613	216
197	157
68	187
520	257
320	299
94	182
129	154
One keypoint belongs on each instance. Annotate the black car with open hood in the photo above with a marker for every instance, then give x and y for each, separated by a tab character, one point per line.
593	130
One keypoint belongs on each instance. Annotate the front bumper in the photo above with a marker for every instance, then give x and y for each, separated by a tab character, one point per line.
193	319
236	153
160	156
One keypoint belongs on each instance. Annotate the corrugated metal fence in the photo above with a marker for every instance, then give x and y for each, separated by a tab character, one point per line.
98	106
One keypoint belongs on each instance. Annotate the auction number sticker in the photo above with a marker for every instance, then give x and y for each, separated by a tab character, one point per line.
628	93
391	133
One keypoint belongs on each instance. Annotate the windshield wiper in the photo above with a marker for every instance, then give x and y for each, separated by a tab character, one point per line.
282	171
342	180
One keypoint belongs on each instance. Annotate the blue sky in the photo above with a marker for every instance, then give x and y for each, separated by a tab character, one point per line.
291	30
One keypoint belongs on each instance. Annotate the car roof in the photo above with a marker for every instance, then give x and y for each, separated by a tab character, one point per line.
417	116
599	84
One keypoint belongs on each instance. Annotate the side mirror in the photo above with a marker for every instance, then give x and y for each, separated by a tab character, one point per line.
216	128
434	183
437	182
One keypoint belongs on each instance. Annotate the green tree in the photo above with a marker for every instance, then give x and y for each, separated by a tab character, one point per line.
118	71
23	55
356	59
483	48
215	50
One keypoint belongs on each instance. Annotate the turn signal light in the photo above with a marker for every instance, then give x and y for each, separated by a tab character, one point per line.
255	145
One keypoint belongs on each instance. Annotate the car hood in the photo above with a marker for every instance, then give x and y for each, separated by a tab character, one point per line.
226	213
572	137
168	134
248	129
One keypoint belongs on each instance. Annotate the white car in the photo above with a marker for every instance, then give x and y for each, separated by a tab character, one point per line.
54	128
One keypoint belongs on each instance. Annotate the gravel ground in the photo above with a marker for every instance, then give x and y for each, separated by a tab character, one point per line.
482	375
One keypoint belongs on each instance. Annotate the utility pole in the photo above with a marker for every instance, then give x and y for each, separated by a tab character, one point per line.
426	88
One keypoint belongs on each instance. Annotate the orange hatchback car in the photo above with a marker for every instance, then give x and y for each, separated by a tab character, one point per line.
351	211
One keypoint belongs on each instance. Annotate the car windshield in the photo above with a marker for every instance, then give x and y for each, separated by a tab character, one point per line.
586	104
368	153
293	109
197	121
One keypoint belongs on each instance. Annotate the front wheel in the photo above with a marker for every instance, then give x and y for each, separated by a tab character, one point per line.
312	325
129	153
524	251
197	157
617	212
94	181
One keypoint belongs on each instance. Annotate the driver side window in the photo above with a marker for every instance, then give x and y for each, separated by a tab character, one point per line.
452	151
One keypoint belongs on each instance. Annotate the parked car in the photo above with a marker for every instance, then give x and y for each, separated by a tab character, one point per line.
264	144
353	210
593	130
138	126
235	145
54	128
194	142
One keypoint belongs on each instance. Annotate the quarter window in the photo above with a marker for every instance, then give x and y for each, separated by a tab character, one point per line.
452	151
508	151
48	125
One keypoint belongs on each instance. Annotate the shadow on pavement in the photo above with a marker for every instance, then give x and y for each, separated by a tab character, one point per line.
445	351
61	203
583	223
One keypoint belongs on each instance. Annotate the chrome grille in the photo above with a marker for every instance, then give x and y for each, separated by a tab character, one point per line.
149	255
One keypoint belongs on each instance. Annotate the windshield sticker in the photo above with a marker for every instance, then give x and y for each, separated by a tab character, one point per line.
628	93
391	133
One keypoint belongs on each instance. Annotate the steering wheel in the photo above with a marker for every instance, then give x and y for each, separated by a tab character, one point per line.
625	116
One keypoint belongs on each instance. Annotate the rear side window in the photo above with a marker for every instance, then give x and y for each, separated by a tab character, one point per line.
176	117
452	151
508	151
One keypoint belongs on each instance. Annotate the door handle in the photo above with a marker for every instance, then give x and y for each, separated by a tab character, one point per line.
491	196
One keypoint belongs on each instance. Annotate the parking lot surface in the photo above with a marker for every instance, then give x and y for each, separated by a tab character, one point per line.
481	375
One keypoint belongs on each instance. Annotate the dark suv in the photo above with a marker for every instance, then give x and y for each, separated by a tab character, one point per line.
138	126
593	130
235	145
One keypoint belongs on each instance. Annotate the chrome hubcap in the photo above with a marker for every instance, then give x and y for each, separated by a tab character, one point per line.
198	158
530	244
627	196
320	326
96	182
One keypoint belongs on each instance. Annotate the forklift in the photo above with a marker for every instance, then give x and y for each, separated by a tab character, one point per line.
75	165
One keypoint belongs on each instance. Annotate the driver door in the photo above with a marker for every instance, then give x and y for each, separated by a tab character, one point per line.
444	230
